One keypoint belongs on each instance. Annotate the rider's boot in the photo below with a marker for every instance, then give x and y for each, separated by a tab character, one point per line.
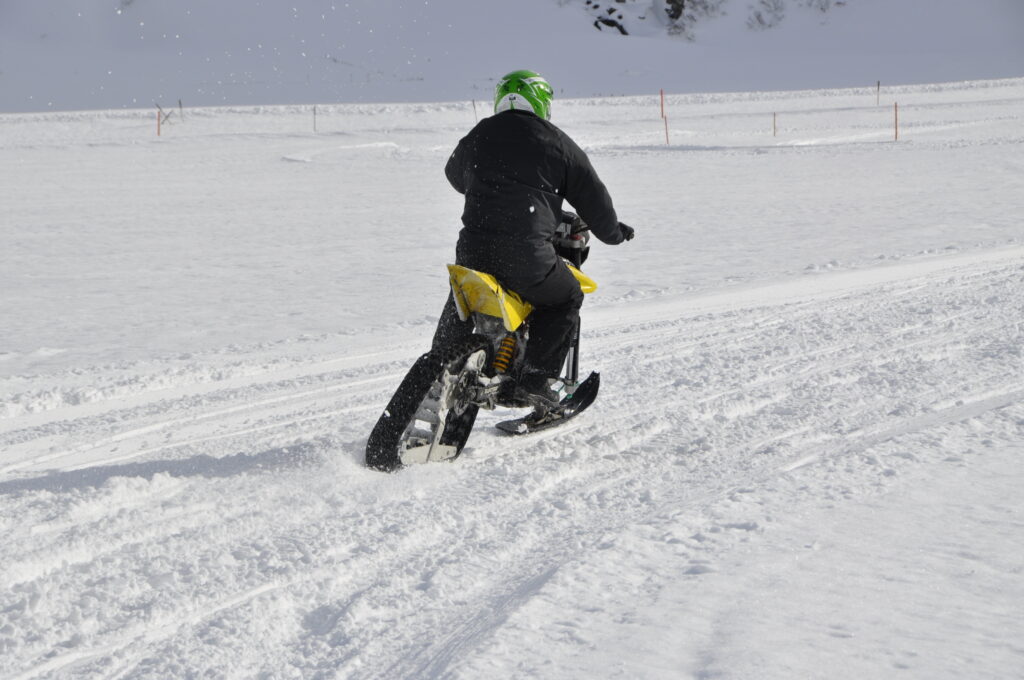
535	389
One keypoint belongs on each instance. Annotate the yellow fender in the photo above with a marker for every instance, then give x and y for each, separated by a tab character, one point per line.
479	292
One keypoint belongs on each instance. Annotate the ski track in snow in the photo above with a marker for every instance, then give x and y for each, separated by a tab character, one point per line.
794	461
181	559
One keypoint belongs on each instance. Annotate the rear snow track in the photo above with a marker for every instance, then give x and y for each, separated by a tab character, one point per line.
234	529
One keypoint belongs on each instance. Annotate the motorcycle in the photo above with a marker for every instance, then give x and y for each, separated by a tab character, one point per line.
432	413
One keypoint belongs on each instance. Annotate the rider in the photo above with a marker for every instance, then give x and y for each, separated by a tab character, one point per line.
515	168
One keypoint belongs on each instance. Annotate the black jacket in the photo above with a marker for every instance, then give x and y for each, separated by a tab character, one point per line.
515	169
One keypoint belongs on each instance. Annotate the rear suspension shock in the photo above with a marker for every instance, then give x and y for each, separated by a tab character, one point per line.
503	357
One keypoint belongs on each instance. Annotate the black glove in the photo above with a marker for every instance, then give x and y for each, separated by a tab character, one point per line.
575	222
627	231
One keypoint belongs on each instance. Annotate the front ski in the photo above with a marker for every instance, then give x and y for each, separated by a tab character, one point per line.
569	408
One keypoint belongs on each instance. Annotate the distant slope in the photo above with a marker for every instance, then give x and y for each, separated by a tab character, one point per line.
98	54
682	17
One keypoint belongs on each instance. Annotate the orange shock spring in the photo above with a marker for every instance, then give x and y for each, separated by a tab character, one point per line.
504	355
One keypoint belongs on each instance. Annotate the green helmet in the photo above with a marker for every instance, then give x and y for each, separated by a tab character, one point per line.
524	91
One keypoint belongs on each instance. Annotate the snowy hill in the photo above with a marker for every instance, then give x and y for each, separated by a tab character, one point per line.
89	54
804	462
685	17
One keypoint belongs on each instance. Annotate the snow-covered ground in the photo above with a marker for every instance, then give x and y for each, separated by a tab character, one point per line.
804	462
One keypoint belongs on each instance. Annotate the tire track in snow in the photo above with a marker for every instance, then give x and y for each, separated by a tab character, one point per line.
147	635
191	420
968	409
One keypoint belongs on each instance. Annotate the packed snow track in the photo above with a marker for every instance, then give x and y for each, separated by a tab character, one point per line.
236	528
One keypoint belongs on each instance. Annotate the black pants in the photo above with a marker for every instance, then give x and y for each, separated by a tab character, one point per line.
556	301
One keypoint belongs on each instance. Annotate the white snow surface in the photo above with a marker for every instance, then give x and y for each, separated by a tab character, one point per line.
805	460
